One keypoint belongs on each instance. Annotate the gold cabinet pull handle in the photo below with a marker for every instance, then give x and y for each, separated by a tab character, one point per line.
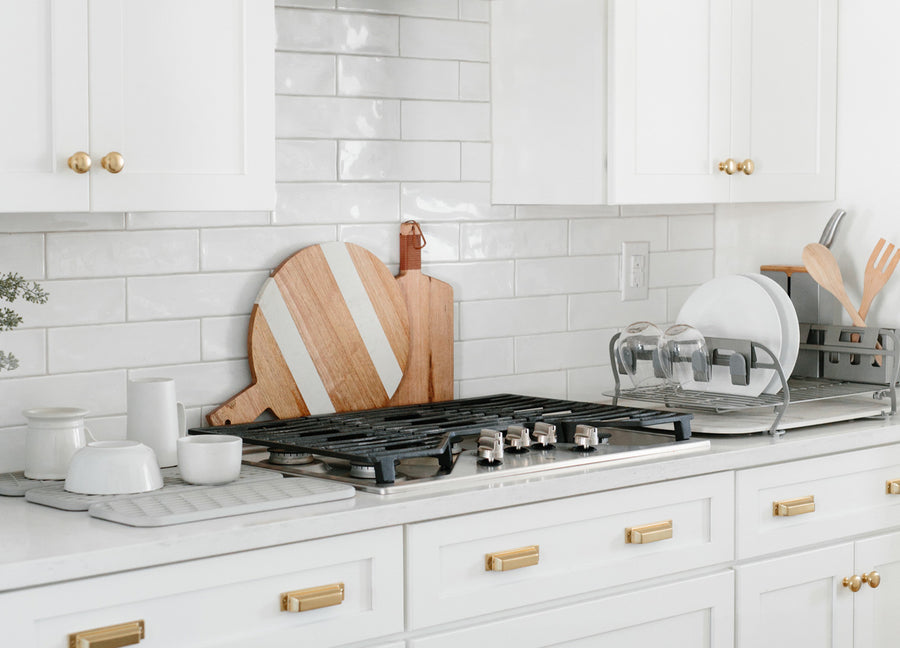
892	487
797	506
853	582
80	162
124	634
729	166
649	533
747	166
512	558
873	578
312	598
113	162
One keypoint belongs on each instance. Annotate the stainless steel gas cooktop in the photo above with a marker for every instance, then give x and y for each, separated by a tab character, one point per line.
461	442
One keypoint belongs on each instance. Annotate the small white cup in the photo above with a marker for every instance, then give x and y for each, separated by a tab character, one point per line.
209	459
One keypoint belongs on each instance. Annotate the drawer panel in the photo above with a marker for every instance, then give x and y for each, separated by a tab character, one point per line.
848	491
581	546
232	600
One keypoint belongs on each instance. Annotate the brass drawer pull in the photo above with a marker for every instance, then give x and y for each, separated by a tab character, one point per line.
512	559
649	533
892	487
124	634
312	598
797	506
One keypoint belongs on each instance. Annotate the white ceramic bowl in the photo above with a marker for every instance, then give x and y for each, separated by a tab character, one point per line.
209	458
113	468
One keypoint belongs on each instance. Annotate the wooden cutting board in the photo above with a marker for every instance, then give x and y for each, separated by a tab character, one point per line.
329	332
429	373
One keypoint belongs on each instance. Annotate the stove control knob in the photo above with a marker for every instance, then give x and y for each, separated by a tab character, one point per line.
544	434
518	438
586	437
490	446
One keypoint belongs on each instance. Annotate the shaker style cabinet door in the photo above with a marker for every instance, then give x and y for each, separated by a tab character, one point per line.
876	623
183	91
44	110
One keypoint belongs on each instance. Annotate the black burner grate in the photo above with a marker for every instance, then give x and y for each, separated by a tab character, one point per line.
380	437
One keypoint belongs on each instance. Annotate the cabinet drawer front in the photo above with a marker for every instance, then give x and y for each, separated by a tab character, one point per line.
580	544
232	600
803	502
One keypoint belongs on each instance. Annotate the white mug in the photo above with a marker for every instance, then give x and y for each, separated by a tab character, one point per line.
54	434
155	418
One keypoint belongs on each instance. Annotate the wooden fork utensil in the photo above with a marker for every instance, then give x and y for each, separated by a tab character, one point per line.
877	274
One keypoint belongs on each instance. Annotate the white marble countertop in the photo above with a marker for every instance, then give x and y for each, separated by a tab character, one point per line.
41	545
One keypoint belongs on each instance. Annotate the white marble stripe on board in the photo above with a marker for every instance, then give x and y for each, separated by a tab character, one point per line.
364	316
296	355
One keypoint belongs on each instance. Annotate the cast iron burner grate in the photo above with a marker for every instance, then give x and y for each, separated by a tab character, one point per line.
381	437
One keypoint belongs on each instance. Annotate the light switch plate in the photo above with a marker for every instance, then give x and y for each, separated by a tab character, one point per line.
635	272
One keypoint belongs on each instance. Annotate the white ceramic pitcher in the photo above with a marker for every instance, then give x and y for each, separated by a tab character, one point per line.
54	434
155	417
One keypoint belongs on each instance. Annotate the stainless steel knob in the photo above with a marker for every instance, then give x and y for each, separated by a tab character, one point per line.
518	438
490	446
587	437
544	434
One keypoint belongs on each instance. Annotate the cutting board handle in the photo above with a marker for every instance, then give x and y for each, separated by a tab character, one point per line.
243	407
412	240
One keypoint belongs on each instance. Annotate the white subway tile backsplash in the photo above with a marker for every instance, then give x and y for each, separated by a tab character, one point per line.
429	8
691	232
299	30
224	338
502	318
476	162
441	241
482	280
257	248
305	74
513	239
368	76
631	211
76	301
49	222
444	39
606	235
197	295
457	201
475	81
193	220
566	275
336	117
475	10
590	383
203	384
445	120
371	202
309	160
483	358
549	384
362	160
29	349
541	212
561	350
100	393
607	310
680	268
109	254
23	254
115	346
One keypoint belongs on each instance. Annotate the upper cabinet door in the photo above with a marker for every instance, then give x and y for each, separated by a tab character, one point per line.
184	92
785	93
670	94
44	110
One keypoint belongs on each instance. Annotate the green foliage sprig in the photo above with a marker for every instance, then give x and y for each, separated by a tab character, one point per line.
12	287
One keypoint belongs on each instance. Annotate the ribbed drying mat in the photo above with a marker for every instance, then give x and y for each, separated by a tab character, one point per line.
161	508
16	484
55	495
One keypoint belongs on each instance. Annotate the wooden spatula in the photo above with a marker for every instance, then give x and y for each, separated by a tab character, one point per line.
877	274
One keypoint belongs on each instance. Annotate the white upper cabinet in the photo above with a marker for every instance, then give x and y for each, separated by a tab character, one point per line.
181	91
691	89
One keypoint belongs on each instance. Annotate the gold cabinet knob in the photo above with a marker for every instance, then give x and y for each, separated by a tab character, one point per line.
312	598
892	487
113	162
797	506
747	166
873	578
512	559
80	162
649	533
729	166
124	634
853	582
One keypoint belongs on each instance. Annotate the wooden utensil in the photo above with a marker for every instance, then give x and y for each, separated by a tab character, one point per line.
823	267
877	274
429	373
329	332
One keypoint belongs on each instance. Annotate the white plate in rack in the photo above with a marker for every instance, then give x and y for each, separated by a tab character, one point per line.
735	307
790	329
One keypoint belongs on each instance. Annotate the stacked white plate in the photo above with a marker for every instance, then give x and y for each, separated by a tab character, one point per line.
746	307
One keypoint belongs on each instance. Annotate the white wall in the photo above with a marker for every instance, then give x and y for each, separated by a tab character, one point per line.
868	138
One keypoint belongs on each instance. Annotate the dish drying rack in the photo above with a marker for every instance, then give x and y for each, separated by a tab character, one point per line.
842	360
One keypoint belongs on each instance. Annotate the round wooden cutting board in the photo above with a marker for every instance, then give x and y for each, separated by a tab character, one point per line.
329	332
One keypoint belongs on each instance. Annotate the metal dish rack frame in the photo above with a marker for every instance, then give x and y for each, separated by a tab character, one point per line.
831	343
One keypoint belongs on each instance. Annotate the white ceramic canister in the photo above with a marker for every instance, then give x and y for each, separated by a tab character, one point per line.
155	418
53	436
